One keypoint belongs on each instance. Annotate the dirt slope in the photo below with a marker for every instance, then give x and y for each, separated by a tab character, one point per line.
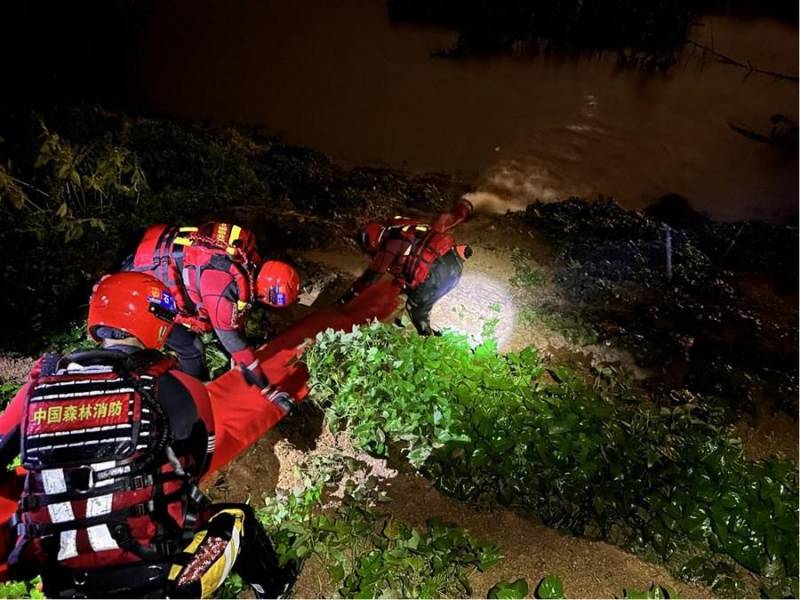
589	569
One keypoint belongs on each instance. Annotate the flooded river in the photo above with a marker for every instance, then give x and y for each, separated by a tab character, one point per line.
341	78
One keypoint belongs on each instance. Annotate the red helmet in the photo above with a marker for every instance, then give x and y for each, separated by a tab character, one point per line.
277	284
136	303
369	237
231	237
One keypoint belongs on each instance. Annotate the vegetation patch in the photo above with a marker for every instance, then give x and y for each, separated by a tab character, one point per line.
671	482
367	554
78	186
700	325
22	589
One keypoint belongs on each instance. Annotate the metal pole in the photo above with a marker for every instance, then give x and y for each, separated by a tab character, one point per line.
668	244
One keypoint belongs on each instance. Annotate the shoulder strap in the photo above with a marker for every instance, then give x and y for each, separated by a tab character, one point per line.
49	364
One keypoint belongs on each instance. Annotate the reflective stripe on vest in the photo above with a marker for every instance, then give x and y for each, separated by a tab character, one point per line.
86	432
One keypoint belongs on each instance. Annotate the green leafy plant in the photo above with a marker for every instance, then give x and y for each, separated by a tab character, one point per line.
217	359
7	392
72	338
550	587
77	183
232	587
367	554
489	428
22	589
527	274
504	589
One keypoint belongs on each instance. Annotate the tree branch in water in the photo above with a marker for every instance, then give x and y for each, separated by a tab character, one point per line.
744	65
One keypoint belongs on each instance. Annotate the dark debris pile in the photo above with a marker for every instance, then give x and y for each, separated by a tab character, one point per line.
725	325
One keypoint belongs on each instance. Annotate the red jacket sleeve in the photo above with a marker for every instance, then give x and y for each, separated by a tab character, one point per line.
220	296
10	420
460	212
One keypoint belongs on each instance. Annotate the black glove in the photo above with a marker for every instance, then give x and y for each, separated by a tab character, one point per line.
427	332
283	400
255	377
347	297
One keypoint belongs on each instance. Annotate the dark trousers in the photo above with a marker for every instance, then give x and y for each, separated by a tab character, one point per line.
444	276
190	350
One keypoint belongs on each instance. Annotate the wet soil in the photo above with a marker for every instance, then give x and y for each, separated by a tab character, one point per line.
573	281
745	362
589	569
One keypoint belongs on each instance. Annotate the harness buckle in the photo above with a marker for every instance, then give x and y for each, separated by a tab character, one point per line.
196	496
27	530
140	510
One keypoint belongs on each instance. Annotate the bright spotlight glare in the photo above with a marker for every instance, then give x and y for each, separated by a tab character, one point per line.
478	302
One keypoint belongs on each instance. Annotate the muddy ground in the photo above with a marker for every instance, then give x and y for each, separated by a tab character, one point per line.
488	293
758	397
489	296
589	569
537	280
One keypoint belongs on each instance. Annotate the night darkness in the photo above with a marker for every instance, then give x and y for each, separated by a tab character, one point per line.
463	298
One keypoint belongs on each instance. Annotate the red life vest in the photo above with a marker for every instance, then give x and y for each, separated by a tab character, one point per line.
409	249
103	487
179	256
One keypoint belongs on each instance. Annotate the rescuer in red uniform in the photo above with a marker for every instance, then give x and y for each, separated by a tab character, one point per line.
424	260
215	274
114	442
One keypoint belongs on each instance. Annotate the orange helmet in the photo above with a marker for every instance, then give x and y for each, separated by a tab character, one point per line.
369	237
277	284
233	238
135	303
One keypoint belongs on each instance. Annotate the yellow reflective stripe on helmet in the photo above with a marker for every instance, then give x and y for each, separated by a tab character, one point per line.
187	229
236	231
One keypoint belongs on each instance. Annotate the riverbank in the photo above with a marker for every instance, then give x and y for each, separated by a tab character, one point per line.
584	281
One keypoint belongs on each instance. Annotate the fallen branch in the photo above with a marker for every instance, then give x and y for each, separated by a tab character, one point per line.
744	65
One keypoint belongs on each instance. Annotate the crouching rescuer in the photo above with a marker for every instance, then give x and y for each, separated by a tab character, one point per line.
215	274
423	258
114	441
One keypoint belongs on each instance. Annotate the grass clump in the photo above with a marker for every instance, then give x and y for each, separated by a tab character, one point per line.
574	329
527	274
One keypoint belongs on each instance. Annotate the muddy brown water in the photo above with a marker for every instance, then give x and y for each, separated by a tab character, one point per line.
341	78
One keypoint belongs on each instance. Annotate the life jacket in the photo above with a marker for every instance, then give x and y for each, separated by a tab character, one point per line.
179	256
103	486
409	249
